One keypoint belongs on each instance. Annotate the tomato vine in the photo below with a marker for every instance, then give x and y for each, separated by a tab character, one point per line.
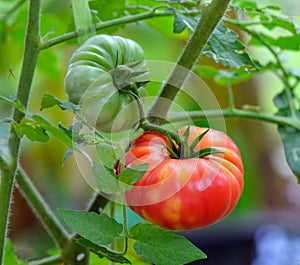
204	22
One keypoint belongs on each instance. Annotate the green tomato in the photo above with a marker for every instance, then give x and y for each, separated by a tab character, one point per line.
98	76
109	109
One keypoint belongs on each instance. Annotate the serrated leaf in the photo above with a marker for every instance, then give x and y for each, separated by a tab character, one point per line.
222	77
49	101
291	140
102	251
56	132
100	229
163	247
31	129
225	48
106	179
280	23
284	43
181	22
133	174
107	154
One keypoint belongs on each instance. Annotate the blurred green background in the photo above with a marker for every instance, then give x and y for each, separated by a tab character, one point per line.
271	194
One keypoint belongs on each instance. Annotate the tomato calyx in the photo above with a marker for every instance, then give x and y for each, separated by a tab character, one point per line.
186	151
122	76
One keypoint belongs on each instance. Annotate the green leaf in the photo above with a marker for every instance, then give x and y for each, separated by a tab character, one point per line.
102	251
56	132
222	76
181	22
32	129
100	229
284	43
281	101
106	10
49	101
163	247
107	154
225	48
133	174
274	22
291	141
106	179
13	101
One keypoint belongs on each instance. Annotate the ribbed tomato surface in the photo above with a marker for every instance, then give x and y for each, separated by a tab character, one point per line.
184	194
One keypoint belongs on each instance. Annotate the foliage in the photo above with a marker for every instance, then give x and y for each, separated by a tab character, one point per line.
229	63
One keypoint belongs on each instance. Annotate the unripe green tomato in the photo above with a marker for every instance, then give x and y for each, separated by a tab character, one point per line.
98	72
109	109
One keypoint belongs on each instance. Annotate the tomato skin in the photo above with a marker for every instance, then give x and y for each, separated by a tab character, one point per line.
184	194
89	80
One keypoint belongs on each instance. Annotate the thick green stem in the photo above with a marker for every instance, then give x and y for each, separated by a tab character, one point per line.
235	113
29	62
147	126
58	233
210	18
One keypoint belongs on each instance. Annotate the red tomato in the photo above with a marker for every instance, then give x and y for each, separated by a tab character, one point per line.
183	194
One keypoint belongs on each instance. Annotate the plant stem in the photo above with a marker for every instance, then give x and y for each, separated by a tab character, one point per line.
147	126
47	261
231	105
58	233
31	52
210	18
103	25
235	113
125	226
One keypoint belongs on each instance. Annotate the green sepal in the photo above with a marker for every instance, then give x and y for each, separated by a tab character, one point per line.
207	151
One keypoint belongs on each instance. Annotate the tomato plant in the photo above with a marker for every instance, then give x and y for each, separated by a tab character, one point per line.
179	180
186	193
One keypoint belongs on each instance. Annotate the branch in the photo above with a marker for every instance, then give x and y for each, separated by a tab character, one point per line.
233	113
103	25
210	18
28	66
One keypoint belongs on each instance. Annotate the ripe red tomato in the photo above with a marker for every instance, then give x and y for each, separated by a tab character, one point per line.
183	194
